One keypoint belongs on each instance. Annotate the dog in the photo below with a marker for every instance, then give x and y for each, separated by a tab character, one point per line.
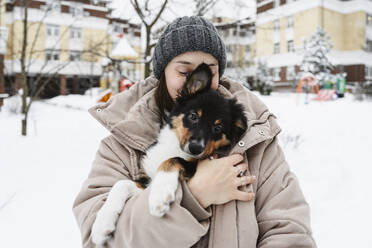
201	123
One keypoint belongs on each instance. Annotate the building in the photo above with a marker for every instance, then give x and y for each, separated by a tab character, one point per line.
67	41
126	36
283	25
239	39
3	38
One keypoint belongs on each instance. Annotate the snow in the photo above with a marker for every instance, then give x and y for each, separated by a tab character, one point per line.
327	145
123	49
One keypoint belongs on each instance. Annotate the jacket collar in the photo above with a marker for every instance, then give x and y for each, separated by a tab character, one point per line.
133	117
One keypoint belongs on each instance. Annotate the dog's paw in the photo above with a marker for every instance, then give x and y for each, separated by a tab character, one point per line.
160	200
103	227
162	193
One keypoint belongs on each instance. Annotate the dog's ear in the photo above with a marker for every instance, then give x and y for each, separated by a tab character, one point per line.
199	80
239	120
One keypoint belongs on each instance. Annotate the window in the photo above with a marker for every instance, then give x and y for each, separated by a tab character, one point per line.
290	22
276	48
369	45
75	33
247	48
368	70
76	9
229	49
242	33
276	26
52	55
290	46
52	30
117	28
75	56
276	74
290	73
247	63
369	19
53	6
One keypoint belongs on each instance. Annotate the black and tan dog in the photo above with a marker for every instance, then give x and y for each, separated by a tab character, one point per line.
201	123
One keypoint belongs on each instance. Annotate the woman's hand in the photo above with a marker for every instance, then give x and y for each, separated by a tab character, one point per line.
216	181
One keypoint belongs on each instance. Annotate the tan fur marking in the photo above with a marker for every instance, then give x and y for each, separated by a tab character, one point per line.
182	133
200	113
139	185
214	145
171	165
239	124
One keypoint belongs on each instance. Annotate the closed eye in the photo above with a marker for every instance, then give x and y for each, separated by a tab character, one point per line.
185	74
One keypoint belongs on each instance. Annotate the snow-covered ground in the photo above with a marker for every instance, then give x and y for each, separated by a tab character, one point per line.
328	145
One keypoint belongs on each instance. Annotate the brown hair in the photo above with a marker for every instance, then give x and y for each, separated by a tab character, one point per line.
163	98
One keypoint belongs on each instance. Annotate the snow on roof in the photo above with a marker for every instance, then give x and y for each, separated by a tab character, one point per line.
283	59
123	49
356	57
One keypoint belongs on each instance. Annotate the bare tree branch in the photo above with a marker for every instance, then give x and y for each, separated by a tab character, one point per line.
159	13
148	27
203	6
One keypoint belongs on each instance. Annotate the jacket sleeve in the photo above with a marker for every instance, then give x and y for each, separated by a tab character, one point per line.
182	226
283	215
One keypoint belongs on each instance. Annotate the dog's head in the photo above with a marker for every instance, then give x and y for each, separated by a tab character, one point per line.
203	120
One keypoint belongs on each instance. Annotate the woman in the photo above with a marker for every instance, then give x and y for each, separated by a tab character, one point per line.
210	210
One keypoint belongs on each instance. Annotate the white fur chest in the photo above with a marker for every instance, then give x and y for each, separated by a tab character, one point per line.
168	146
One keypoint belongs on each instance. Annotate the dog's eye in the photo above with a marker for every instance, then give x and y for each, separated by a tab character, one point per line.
193	117
217	128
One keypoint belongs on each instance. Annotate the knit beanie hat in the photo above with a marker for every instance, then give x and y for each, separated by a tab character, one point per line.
187	34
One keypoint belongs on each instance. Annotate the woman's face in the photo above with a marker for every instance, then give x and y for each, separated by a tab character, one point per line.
179	67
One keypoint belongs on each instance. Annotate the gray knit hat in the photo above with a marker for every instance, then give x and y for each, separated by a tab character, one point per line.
187	34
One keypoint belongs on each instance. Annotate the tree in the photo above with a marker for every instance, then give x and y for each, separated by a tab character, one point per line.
263	82
315	54
149	16
203	6
29	54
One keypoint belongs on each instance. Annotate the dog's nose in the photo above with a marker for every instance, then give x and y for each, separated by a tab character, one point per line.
196	148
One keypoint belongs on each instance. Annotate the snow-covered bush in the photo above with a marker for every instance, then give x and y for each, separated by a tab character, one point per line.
263	81
315	57
13	104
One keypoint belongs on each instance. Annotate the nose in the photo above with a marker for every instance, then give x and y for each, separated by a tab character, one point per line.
196	148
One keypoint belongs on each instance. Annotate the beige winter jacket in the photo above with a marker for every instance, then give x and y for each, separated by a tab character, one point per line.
278	217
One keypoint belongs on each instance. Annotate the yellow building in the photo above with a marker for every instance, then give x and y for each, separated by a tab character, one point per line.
66	39
239	39
283	25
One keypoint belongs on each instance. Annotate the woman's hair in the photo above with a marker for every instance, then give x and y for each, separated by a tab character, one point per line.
163	99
